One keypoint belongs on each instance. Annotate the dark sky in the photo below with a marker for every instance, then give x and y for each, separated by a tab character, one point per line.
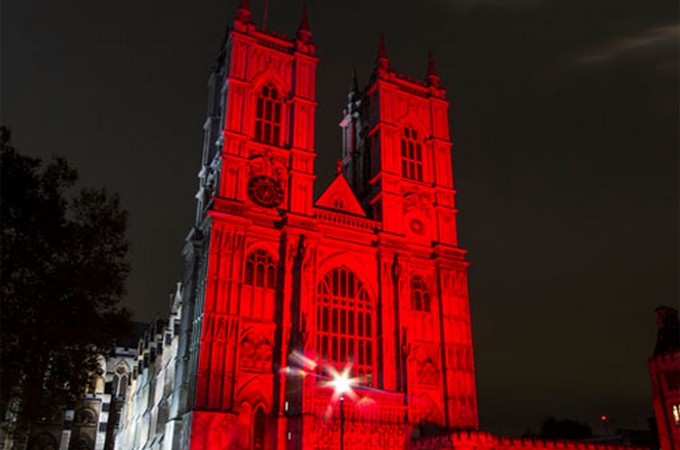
565	122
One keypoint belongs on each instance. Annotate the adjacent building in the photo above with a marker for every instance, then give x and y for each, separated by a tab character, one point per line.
92	423
664	368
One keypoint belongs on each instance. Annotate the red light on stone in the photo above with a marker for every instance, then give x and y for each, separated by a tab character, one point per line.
603	418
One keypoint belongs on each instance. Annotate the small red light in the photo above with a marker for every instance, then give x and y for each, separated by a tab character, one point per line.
603	418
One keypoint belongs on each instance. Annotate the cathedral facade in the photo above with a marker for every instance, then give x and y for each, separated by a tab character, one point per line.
285	295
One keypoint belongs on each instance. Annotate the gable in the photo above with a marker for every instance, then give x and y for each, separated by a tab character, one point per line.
338	196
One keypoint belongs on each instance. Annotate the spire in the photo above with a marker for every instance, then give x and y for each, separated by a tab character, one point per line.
354	83
383	61
304	23
243	13
304	34
432	77
382	50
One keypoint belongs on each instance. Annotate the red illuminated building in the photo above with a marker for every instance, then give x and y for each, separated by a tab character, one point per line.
369	275
664	368
283	291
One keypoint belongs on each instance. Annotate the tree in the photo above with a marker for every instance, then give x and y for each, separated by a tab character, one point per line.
63	273
552	428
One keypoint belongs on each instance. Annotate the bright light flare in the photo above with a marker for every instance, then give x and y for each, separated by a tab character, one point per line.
342	384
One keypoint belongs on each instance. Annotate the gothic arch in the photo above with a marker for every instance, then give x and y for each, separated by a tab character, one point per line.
420	292
260	266
410	119
268	76
362	266
269	110
346	321
85	416
426	410
251	393
121	379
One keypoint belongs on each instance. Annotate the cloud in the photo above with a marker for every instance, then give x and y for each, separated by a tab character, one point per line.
655	48
468	5
645	44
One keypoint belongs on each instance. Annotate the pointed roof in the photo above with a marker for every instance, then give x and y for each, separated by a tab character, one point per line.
354	83
382	61
432	77
338	196
304	33
431	70
382	50
304	23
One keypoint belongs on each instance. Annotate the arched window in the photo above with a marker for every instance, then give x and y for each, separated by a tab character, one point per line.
120	381
411	155
420	298
260	270
259	429
268	115
344	321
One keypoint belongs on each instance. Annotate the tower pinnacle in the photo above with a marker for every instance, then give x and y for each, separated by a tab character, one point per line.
354	83
243	13
432	76
383	62
304	34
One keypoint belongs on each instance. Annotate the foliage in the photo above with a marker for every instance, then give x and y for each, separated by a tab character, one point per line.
63	272
552	428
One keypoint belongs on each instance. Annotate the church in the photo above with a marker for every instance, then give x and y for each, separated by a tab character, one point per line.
336	323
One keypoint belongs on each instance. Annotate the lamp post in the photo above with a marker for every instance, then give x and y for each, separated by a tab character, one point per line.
342	385
342	423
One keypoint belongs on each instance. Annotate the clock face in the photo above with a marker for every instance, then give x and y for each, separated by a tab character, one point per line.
265	191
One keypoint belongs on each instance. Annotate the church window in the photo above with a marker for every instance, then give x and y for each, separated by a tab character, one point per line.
259	428
420	297
120	381
260	270
344	318
268	115
411	155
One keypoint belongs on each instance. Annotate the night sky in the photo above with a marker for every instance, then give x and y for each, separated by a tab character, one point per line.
565	124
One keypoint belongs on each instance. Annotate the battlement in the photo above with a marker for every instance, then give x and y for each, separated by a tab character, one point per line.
481	440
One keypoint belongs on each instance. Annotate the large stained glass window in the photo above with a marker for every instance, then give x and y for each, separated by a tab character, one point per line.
345	322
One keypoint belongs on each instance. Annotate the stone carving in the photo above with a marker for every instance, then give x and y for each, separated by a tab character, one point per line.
256	352
269	166
425	365
416	201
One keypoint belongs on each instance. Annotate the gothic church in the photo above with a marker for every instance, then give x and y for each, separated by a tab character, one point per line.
283	292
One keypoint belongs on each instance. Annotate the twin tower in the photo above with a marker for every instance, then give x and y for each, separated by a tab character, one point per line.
283	291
